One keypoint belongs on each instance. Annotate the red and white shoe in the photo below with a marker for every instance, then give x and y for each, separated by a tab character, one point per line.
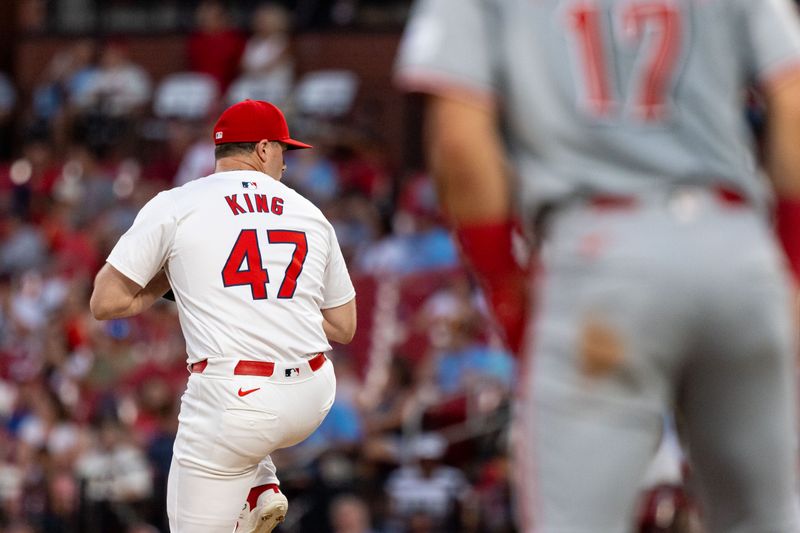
265	508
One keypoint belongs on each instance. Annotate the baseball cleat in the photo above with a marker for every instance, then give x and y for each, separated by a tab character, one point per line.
265	508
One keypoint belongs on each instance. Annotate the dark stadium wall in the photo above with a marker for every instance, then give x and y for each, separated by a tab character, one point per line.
8	37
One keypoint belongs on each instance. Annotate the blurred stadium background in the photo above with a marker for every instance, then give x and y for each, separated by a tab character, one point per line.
105	102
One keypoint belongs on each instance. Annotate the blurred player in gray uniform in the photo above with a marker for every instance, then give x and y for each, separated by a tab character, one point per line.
662	283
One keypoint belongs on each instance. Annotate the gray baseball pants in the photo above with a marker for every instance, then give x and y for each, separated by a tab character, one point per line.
680	301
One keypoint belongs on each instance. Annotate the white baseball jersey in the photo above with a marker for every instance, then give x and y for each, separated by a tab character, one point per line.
251	263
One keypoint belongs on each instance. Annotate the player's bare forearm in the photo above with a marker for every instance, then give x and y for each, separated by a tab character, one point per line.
339	323
466	157
116	296
334	334
783	137
468	162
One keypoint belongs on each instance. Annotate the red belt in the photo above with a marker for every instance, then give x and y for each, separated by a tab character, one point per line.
620	201
258	368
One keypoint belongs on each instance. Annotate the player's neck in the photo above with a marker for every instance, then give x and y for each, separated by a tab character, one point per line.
227	164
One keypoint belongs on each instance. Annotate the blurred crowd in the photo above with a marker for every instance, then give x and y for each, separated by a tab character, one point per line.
417	439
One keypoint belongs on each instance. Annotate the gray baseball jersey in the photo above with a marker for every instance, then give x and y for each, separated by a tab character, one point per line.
609	95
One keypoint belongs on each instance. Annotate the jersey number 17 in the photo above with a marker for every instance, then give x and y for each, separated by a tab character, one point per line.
650	28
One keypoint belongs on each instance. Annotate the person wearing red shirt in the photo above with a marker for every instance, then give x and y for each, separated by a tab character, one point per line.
216	46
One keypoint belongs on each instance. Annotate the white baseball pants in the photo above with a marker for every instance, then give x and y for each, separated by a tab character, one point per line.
228	426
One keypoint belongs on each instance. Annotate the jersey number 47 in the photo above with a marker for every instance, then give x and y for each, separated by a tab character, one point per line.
246	253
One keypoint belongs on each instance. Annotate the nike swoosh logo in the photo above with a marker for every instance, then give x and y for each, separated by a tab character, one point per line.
246	392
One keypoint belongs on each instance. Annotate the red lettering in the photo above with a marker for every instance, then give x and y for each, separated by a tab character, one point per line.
234	205
248	202
277	206
261	203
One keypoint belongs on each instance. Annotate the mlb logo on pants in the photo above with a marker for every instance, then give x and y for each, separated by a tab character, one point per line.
290	372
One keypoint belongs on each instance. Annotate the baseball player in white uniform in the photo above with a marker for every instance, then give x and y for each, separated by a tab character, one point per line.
261	288
662	283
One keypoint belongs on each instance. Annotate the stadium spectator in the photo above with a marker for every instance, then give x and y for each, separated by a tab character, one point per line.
197	161
116	479
120	88
267	56
388	414
167	156
356	221
427	495
313	173
49	427
349	514
62	496
467	362
361	167
22	248
386	419
385	256
64	75
418	243
64	82
444	309
87	181
105	112
216	46
493	490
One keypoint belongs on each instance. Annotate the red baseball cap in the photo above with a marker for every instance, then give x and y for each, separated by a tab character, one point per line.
252	121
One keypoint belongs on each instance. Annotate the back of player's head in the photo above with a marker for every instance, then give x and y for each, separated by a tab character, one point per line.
252	121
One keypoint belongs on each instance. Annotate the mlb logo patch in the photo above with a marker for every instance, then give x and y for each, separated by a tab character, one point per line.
289	372
249	185
218	135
